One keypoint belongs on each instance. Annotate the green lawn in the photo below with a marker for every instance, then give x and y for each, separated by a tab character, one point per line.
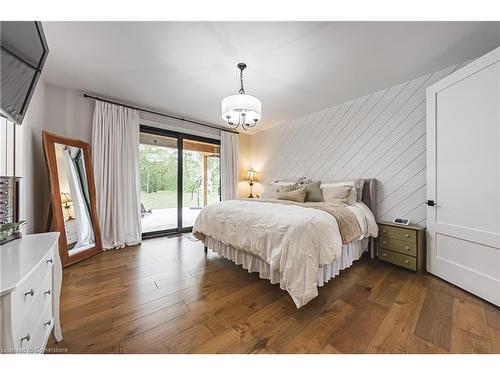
168	199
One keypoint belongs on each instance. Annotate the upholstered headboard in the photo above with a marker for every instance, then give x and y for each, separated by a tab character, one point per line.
369	197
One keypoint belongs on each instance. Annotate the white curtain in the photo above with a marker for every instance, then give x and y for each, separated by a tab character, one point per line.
229	151
85	232
115	149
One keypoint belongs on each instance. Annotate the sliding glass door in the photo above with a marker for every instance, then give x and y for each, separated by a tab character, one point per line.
200	178
158	164
180	174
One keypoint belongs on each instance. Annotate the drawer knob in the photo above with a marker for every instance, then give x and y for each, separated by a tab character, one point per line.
384	242
47	323
27	338
50	260
407	235
47	292
384	231
384	254
407	261
407	247
31	292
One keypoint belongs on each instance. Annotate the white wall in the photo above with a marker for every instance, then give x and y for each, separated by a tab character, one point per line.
380	135
67	113
34	185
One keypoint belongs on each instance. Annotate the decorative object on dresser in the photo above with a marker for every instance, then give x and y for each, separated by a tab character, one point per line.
402	245
70	171
30	288
9	201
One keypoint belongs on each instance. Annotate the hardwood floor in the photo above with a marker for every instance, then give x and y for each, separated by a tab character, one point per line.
166	296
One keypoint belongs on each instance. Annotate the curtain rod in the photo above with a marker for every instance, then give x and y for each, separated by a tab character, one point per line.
160	114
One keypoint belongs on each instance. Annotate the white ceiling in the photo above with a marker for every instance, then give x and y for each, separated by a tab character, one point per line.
295	68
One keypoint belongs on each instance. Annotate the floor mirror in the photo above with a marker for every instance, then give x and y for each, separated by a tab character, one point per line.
73	198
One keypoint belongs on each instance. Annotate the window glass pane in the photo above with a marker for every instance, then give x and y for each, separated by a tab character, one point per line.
201	178
158	159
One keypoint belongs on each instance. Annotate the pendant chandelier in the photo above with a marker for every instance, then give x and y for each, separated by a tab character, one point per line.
241	109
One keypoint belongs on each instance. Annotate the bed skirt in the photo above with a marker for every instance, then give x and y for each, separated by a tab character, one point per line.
350	253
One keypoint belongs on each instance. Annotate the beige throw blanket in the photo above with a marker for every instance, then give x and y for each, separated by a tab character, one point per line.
346	219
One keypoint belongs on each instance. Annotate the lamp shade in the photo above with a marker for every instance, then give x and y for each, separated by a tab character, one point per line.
251	175
234	106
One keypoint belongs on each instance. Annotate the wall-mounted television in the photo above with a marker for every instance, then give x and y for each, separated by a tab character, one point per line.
23	54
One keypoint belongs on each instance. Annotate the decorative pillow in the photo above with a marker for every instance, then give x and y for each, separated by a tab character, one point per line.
288	188
297	195
337	194
353	195
313	191
271	191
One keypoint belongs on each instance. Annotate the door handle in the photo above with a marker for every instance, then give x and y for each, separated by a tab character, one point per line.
430	203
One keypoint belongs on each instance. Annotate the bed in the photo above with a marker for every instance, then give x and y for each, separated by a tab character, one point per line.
298	246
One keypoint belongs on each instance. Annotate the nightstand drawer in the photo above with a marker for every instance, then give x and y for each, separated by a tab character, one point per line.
398	259
404	247
401	234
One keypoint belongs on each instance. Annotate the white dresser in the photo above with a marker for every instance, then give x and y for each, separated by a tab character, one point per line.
30	288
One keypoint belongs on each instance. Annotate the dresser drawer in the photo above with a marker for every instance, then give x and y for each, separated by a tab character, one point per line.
398	259
404	247
6	193
6	211
32	288
6	182
402	234
42	329
27	324
6	202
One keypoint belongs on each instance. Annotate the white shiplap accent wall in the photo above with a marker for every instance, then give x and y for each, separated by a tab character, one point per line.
380	135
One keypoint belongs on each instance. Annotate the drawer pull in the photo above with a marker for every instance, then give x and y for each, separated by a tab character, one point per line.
4	182
384	254
407	247
4	212
31	292
4	202
47	323
384	231
27	338
4	192
407	261
50	260
407	235
47	292
384	242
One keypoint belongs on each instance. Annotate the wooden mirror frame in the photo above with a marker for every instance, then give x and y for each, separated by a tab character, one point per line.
56	218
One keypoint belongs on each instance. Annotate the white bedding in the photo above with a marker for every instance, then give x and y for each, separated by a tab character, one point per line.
295	240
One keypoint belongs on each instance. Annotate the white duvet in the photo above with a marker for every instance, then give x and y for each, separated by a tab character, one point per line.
295	240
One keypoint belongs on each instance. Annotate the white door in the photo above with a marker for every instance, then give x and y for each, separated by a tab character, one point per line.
463	177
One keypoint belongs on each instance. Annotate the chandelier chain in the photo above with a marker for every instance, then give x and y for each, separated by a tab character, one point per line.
242	89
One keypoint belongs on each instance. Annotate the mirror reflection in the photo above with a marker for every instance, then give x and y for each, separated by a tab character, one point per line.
75	199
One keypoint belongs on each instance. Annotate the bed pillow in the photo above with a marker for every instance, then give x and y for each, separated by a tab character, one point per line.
353	194
337	194
313	191
271	191
297	195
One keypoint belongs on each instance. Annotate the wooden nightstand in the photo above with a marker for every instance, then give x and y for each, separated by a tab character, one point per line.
402	245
